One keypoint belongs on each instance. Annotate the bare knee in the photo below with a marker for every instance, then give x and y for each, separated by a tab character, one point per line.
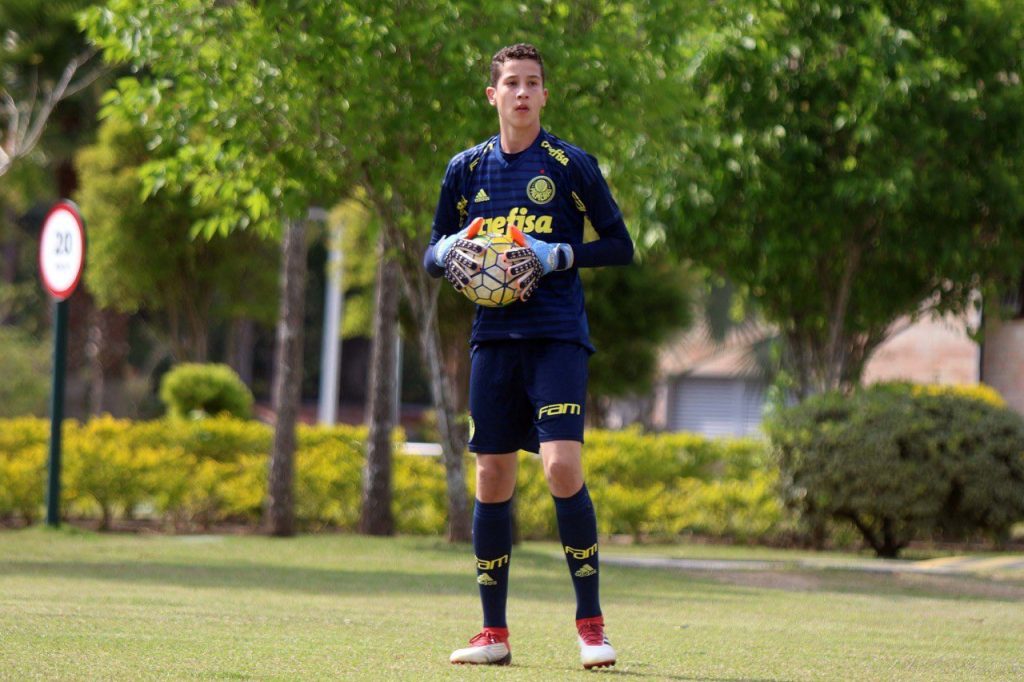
495	477
563	482
563	467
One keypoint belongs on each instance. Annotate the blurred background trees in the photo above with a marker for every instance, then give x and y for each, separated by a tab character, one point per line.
835	164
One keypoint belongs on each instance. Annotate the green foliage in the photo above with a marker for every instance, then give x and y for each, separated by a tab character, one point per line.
22	481
419	498
22	432
41	34
25	368
667	484
901	463
142	257
661	486
23	302
658	296
219	437
191	388
40	41
101	472
243	90
850	163
328	485
192	474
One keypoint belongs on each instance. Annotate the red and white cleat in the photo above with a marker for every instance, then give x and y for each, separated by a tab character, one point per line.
595	649
490	647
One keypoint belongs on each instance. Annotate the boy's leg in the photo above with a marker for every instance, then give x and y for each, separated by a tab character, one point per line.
492	533
577	522
577	527
492	548
498	428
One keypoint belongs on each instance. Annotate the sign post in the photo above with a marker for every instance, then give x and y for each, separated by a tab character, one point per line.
61	257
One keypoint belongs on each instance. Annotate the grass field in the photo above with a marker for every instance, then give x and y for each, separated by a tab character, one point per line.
77	605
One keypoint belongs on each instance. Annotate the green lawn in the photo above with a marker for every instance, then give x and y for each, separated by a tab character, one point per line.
76	605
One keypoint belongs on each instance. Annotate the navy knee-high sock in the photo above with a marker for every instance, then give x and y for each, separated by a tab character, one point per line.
492	545
577	527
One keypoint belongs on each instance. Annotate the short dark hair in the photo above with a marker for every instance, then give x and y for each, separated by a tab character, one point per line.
517	51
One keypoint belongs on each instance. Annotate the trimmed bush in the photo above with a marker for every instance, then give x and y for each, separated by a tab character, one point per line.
22	432
101	471
328	484
192	389
900	462
194	473
22	480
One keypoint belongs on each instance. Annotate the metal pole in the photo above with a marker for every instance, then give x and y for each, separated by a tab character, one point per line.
60	342
330	344
396	400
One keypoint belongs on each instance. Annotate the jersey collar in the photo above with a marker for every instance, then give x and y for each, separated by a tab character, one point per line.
499	157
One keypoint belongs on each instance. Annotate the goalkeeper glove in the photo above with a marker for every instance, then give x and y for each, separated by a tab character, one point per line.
532	260
446	244
459	255
552	256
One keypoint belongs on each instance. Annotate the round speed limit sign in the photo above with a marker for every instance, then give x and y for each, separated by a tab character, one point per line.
62	250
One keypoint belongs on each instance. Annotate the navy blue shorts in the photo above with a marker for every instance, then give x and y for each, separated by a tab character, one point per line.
525	392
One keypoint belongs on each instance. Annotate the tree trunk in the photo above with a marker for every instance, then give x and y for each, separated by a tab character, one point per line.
94	352
422	293
8	255
280	511
241	340
376	517
453	435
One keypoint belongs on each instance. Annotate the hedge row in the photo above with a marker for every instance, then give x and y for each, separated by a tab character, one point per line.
192	474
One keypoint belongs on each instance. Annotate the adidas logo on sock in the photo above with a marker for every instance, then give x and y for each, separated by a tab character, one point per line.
481	196
487	580
585	571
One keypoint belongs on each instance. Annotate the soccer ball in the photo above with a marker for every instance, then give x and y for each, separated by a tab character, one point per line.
492	286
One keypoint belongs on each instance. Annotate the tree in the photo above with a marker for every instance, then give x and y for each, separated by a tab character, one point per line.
41	65
45	76
850	163
141	255
376	517
243	91
301	101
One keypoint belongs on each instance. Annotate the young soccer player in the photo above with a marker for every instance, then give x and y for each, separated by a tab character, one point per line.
528	380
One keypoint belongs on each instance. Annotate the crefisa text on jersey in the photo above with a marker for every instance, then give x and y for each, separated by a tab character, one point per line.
522	219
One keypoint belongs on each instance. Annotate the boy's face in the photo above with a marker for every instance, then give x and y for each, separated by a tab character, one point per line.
519	94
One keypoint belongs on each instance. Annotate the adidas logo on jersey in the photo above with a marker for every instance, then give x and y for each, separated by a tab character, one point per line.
585	571
481	196
488	581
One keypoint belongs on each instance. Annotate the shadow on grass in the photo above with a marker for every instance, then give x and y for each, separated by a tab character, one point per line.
397	574
413	568
302	579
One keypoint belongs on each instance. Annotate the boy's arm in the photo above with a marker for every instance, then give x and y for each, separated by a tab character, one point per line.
613	246
446	220
432	268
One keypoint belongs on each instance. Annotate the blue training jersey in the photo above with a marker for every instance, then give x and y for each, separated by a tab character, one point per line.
546	191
